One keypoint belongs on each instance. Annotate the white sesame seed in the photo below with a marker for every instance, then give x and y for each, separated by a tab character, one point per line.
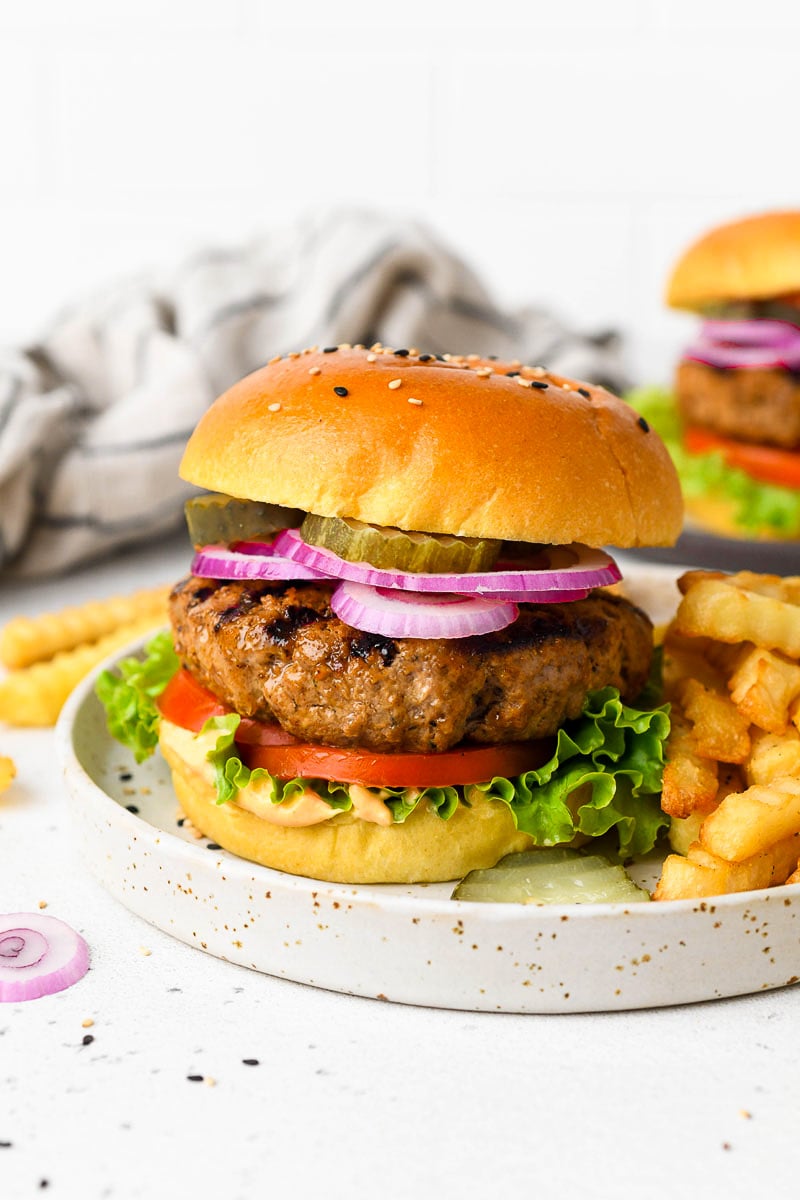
42	904
413	350
473	358
274	407
143	950
484	372
87	1024
413	400
371	357
345	346
294	354
315	370
275	358
523	382
395	383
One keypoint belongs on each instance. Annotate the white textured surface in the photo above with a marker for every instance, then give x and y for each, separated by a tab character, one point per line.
570	151
351	1097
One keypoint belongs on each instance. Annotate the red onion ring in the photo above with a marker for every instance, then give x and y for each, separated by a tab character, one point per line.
591	568
218	562
747	344
38	956
394	613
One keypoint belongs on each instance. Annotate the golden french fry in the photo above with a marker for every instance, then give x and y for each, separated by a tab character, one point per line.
717	608
719	729
8	772
35	695
748	822
26	640
795	875
763	687
690	781
690	658
773	756
704	874
685	830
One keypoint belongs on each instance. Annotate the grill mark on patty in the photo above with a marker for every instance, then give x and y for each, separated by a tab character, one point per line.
284	628
366	644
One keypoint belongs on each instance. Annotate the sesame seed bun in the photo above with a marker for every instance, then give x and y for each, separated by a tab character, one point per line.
346	849
757	258
461	445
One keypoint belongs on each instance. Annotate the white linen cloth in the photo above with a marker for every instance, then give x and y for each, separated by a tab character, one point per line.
94	417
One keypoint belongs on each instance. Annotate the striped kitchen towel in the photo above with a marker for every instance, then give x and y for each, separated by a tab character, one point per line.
94	417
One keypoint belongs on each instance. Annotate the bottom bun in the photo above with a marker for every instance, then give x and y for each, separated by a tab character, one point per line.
347	849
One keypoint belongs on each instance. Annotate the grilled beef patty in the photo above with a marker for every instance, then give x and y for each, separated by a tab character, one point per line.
275	651
754	405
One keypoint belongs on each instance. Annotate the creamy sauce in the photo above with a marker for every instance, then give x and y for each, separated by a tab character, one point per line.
306	808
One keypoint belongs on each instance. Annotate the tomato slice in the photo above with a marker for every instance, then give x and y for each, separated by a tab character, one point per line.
187	703
470	764
766	463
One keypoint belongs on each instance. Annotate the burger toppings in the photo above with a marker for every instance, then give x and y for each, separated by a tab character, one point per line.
218	519
736	344
543	569
395	613
399	549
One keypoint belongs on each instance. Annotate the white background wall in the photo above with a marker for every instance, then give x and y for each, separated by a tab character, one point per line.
569	149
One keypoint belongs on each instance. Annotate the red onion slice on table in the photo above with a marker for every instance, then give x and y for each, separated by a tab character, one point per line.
38	955
572	569
394	613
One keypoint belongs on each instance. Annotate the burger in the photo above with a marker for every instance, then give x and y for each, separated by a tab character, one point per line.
735	430
399	655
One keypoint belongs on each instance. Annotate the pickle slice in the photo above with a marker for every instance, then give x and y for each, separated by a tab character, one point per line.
215	519
397	549
558	875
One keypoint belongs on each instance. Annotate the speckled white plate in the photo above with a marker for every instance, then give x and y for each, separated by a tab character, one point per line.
412	944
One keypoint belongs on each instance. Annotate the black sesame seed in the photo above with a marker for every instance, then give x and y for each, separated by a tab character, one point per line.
441	358
88	1038
340	391
644	424
213	846
425	357
250	1062
132	808
44	1183
401	353
539	383
6	1145
583	392
195	1078
180	822
511	374
125	777
330	349
492	357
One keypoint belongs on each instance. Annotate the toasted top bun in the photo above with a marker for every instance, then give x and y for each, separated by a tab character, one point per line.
461	445
754	259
